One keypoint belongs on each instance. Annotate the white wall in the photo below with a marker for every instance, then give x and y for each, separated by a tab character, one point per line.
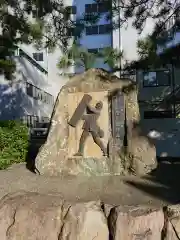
130	36
14	101
53	79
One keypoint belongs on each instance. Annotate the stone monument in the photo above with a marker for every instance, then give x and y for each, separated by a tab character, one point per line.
94	129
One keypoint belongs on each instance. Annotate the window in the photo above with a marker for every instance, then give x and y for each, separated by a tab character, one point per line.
101	29
35	92
95	50
92	30
74	31
32	61
29	89
39	94
30	120
97	8
91	8
71	9
158	110
90	17
158	114
156	78
38	56
103	7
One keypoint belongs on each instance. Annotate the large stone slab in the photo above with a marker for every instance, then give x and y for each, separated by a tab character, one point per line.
172	215
114	124
32	216
141	223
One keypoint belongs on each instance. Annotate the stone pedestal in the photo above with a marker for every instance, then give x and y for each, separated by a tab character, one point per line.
89	166
119	110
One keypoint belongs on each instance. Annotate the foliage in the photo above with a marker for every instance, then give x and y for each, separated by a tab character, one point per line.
141	10
78	56
147	51
13	143
47	30
146	47
7	67
112	57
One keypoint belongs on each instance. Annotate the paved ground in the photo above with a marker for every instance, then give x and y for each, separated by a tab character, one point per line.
113	190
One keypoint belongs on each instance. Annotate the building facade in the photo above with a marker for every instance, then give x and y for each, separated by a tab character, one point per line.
28	96
93	38
159	96
37	80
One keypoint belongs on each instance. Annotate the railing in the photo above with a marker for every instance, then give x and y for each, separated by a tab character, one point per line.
32	61
33	121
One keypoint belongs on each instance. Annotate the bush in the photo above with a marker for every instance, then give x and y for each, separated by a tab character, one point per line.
13	143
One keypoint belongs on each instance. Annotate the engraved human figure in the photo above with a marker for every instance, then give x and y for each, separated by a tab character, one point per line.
90	127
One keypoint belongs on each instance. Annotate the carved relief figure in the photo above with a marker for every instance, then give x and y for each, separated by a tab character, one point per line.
90	126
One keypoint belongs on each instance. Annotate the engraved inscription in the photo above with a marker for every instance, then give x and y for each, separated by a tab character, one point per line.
118	116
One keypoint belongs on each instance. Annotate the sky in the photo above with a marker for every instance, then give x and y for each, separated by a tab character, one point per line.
130	36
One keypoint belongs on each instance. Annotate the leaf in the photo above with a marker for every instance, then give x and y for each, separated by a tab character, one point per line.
13	143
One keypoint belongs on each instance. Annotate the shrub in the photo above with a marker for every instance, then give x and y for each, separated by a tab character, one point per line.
13	143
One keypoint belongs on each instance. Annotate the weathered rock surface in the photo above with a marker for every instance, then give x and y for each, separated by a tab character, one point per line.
33	216
88	166
141	151
136	223
172	216
53	158
44	217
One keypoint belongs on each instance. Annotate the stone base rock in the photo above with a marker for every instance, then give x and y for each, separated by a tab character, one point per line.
33	216
87	166
136	223
79	166
63	139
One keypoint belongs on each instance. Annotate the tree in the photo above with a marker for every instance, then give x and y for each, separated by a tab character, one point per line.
147	51
78	56
112	57
146	48
48	30
148	57
140	10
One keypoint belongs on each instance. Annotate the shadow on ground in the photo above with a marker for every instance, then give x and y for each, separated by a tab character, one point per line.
33	149
166	182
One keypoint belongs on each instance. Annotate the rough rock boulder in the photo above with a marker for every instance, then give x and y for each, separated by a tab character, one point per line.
32	216
128	149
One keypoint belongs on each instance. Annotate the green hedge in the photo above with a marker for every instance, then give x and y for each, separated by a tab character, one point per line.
13	143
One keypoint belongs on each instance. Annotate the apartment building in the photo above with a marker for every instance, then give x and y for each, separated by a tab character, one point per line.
28	96
159	95
93	38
